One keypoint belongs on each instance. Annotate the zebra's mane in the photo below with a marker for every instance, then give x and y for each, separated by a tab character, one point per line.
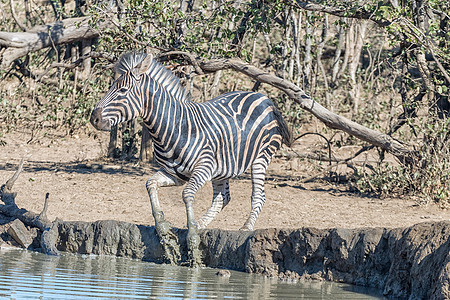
156	71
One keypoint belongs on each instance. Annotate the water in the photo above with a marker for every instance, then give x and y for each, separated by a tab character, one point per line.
30	275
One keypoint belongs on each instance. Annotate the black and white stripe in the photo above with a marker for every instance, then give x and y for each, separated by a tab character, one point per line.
195	142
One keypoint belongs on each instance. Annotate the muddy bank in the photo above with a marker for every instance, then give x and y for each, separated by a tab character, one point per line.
411	262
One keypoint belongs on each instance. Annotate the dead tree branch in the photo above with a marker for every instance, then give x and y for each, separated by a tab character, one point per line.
49	229
19	44
329	118
12	210
6	193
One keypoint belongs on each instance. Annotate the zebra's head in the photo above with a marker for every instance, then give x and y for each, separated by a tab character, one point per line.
123	101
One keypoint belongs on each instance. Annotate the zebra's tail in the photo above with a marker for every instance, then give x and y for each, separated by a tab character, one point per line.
285	131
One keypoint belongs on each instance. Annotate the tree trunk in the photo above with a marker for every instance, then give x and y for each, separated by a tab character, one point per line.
128	139
308	59
85	50
146	153
112	143
357	39
337	55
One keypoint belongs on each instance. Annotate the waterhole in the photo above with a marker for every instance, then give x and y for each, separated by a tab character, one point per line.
31	275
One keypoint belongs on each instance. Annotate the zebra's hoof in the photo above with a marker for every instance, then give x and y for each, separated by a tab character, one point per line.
193	243
169	242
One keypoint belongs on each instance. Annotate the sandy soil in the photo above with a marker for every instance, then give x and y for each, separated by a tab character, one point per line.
84	187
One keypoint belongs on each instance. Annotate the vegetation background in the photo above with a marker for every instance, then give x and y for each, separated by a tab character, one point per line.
382	64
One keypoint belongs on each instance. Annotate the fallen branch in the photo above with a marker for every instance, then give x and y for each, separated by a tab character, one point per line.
6	193
49	229
313	156
10	208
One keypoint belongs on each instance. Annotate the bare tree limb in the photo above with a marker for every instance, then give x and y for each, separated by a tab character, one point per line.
357	11
413	31
329	118
192	60
66	31
43	214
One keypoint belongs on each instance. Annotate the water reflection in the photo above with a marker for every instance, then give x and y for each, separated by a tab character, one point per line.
28	275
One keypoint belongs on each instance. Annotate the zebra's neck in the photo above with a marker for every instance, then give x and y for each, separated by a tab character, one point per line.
163	114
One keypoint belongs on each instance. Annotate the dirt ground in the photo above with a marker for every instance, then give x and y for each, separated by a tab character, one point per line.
85	187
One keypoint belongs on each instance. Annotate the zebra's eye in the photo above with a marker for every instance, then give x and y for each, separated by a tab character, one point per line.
123	90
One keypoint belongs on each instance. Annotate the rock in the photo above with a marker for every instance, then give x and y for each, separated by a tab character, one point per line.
20	233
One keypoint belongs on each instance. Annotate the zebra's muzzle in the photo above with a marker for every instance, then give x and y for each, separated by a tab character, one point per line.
97	120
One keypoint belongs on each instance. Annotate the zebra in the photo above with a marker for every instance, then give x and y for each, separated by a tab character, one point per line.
194	142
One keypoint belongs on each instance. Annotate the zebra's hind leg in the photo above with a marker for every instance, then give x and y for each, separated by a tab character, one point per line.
200	175
163	228
221	197
259	167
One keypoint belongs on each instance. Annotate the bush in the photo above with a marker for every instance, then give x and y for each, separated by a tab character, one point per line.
428	177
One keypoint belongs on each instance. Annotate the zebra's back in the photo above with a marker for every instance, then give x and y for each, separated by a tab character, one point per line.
235	128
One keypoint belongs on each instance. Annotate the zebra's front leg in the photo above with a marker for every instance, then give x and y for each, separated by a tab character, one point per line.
221	197
163	228
192	239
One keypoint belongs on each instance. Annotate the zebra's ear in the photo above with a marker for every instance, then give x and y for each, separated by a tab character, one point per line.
143	67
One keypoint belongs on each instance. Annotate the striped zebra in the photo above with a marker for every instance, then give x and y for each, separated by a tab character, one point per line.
194	142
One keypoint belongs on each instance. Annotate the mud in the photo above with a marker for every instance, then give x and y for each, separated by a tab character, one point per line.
412	262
